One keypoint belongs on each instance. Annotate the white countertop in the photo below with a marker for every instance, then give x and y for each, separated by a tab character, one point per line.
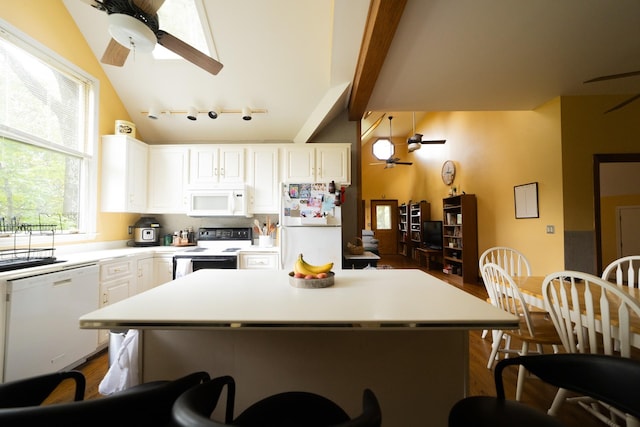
264	298
71	258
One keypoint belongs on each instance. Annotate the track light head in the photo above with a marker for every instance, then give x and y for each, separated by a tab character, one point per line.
213	113
192	114
153	113
246	113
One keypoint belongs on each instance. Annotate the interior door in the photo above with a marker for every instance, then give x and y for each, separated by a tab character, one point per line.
384	223
628	230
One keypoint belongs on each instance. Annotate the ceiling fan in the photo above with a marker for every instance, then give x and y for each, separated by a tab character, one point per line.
613	77
415	141
134	25
391	162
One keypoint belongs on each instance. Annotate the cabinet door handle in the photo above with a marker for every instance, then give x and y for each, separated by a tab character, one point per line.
62	282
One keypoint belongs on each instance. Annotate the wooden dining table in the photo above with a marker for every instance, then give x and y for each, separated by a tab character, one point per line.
531	289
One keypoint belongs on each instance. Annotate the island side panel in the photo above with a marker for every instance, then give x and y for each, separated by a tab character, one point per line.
417	375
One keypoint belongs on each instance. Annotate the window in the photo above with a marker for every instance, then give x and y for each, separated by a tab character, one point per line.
182	18
383	149
47	117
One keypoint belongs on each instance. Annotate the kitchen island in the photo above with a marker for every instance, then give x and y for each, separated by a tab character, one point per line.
402	333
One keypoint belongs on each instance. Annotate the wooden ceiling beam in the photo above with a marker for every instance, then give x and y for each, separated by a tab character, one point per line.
382	22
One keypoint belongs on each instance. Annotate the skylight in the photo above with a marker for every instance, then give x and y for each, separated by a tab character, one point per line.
182	19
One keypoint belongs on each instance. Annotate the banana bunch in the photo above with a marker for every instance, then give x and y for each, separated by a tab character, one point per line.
304	269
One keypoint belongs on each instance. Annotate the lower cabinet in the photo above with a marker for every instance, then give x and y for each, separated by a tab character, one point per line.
258	260
162	269
145	279
117	280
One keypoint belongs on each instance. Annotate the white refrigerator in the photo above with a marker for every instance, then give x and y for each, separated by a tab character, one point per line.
311	224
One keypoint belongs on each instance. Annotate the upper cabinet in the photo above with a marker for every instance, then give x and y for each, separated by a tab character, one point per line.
317	163
168	174
263	179
216	164
124	174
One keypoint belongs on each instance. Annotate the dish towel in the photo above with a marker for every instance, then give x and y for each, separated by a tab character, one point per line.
183	267
123	372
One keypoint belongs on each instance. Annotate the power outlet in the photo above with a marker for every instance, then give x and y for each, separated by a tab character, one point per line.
551	229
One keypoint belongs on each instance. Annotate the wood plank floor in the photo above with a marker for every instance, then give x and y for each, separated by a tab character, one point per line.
536	393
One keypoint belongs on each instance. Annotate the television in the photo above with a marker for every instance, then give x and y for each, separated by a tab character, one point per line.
432	234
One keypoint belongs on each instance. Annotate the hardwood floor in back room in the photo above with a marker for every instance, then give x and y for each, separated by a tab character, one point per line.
536	393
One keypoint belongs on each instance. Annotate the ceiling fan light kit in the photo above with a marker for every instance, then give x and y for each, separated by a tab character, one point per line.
131	33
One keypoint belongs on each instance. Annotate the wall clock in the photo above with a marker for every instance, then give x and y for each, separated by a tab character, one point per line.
448	172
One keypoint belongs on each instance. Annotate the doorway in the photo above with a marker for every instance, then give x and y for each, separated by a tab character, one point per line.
605	225
384	224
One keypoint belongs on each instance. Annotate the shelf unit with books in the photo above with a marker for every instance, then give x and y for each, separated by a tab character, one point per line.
460	237
403	229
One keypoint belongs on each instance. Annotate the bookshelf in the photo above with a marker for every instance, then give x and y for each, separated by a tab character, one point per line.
460	237
403	229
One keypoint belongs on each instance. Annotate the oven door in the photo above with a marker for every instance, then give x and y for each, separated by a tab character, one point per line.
184	265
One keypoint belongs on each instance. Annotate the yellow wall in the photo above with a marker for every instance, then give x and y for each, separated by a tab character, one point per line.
49	23
493	152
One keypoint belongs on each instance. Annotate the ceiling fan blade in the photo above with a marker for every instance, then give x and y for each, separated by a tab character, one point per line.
623	103
149	6
115	54
403	163
614	76
188	52
433	141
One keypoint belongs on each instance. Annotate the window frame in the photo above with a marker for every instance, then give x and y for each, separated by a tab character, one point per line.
89	180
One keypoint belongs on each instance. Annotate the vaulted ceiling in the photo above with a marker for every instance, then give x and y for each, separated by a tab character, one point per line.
297	59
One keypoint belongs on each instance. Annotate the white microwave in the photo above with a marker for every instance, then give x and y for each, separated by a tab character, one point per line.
218	202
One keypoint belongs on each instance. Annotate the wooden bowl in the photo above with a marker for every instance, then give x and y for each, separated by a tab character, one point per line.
311	283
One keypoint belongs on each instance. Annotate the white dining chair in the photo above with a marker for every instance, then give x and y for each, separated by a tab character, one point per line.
535	328
625	271
591	315
513	261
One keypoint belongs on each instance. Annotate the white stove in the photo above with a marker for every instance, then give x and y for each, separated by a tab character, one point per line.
217	248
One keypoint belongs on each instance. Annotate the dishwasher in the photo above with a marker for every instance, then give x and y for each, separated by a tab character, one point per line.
42	326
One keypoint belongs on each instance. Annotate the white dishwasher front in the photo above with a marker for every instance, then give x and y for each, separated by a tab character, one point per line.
42	331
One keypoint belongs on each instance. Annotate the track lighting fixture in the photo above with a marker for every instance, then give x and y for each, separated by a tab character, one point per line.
192	114
213	113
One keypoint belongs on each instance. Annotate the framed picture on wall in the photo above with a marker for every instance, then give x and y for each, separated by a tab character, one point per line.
526	200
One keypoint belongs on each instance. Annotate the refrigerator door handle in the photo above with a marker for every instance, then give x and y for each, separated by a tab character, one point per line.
283	248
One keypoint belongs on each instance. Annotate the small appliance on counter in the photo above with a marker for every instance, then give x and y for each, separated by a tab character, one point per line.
146	232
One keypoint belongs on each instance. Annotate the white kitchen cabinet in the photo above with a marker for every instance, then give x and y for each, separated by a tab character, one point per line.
263	179
258	260
124	174
163	269
168	175
117	282
216	164
317	163
145	274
